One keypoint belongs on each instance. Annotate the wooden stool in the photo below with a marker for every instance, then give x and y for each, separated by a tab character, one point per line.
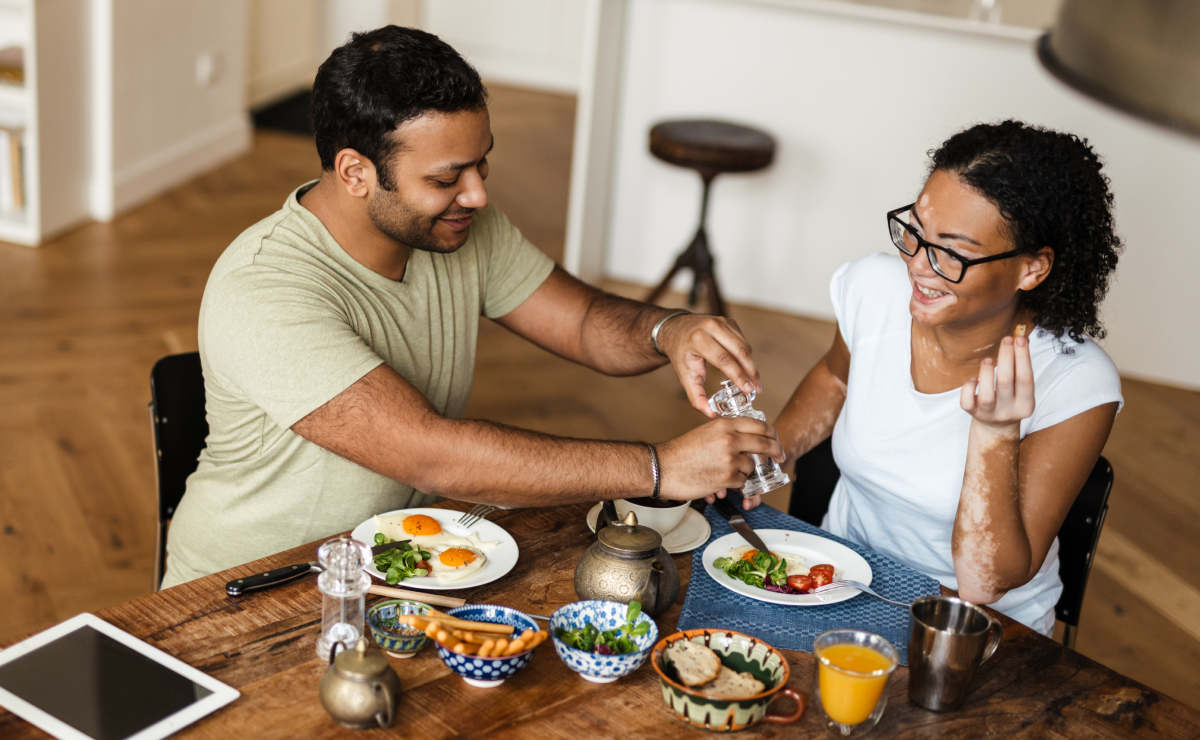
709	148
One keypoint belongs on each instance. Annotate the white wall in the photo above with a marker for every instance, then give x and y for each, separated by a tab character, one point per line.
290	38
854	104
178	85
285	42
530	43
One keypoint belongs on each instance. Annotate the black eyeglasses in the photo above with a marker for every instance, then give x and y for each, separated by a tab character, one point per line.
945	262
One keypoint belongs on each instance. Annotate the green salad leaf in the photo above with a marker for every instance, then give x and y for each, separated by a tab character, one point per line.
619	641
758	571
401	561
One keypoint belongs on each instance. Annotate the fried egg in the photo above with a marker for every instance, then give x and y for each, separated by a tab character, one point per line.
456	563
795	564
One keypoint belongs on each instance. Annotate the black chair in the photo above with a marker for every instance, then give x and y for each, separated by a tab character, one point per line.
816	475
180	427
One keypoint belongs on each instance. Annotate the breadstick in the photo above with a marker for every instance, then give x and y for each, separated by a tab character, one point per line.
501	646
469	637
527	635
514	647
432	628
412	620
539	637
487	648
462	624
1020	331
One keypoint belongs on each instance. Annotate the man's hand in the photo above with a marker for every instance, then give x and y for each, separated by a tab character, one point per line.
714	456
692	342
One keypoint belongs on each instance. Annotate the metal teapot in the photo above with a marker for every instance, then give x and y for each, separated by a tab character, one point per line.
360	689
628	562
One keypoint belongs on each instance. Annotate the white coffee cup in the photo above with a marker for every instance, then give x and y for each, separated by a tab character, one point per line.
661	519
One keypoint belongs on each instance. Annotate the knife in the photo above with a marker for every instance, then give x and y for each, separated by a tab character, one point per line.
738	522
287	573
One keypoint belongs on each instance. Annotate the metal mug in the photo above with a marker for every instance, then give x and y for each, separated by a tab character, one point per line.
950	639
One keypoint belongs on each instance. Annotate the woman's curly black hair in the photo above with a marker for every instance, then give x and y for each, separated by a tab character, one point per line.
378	80
1051	192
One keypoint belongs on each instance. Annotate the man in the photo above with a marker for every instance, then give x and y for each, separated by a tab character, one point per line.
338	335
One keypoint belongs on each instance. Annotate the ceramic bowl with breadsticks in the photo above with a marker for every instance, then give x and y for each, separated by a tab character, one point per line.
484	643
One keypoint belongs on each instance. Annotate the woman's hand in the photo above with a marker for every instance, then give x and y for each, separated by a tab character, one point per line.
1002	395
748	503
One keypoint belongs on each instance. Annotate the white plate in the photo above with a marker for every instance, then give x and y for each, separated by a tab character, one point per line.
500	559
813	550
691	532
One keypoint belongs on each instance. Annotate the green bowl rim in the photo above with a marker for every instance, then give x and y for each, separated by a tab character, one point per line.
657	653
375	608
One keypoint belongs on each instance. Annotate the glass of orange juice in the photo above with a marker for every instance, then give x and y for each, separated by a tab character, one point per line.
853	668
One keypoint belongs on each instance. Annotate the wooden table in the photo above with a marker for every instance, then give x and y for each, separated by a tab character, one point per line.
264	645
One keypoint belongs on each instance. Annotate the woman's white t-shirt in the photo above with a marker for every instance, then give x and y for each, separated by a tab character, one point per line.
903	453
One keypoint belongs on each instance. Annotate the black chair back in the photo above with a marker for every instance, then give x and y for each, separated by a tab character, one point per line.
1077	540
180	427
817	474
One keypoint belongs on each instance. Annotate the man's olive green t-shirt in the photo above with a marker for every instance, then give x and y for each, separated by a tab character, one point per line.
288	321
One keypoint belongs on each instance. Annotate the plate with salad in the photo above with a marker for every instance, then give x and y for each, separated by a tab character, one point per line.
795	562
437	553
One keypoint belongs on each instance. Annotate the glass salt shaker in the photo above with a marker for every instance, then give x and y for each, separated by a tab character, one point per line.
344	583
730	402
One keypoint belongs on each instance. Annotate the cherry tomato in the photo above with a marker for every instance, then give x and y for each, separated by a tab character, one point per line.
800	583
823	566
820	578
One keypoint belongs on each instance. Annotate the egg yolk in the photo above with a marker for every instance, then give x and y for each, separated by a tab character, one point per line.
419	525
749	554
457	557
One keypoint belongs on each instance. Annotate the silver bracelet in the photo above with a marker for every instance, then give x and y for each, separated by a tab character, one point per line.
654	332
656	471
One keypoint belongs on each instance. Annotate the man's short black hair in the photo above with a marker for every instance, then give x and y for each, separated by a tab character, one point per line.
380	79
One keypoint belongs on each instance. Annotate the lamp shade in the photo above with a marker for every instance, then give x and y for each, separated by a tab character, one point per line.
1141	56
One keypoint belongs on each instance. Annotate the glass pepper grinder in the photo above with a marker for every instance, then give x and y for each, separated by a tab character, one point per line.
344	583
732	401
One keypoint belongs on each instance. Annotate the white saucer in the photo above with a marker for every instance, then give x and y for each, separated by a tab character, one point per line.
689	534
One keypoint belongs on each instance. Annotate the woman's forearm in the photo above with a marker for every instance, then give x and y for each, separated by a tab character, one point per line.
809	416
990	544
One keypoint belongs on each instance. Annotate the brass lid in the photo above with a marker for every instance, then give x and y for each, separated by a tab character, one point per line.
361	663
629	537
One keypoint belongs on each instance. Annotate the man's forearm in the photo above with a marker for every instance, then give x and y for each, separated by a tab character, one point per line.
472	460
615	335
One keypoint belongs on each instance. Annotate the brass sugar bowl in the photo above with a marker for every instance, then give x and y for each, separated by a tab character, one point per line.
628	562
359	689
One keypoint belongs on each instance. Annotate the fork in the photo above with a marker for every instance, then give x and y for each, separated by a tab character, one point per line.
837	585
477	512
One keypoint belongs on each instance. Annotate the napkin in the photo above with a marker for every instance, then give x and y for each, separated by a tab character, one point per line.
710	605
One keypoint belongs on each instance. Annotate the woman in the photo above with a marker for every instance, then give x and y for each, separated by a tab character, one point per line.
966	400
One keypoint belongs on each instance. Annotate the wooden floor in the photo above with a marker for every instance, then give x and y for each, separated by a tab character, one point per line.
85	317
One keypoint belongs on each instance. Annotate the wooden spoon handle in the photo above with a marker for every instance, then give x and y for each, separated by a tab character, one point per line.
402	593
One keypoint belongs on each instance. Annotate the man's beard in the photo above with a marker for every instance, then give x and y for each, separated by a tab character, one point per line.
400	221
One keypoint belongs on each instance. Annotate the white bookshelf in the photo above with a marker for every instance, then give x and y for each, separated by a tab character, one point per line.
51	110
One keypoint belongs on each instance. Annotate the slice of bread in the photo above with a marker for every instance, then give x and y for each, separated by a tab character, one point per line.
695	663
731	683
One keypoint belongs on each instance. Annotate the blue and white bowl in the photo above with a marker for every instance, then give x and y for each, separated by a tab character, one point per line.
606	615
488	672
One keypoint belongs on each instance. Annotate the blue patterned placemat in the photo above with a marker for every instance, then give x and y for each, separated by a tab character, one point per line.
708	604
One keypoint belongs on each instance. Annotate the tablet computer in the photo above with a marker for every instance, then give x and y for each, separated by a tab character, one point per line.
85	679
